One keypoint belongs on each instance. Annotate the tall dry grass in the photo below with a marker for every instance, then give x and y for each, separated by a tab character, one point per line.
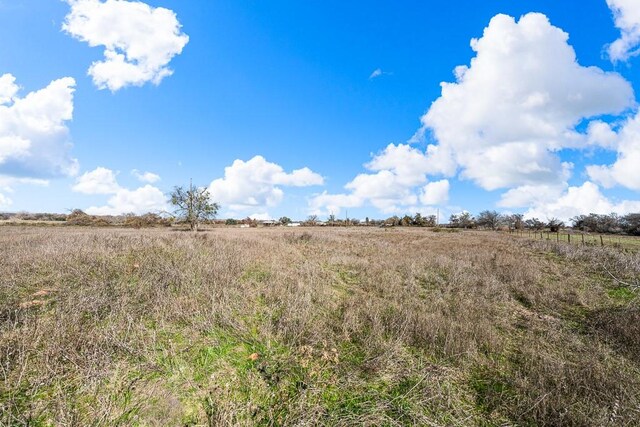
317	327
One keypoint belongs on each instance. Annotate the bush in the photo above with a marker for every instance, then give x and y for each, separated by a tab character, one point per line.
146	220
78	217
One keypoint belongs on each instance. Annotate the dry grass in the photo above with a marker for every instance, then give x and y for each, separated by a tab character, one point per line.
338	327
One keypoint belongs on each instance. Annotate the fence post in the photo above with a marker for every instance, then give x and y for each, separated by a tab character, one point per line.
601	241
569	237
582	239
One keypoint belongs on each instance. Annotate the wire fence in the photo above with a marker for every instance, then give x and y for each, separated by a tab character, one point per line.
579	238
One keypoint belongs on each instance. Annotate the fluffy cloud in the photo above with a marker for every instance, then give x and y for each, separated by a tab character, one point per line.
148	177
103	181
408	164
34	138
256	184
139	201
392	186
99	181
625	170
5	202
8	88
139	40
626	14
581	200
519	102
531	195
500	125
326	203
435	193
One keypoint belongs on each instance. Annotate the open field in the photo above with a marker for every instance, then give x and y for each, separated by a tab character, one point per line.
342	327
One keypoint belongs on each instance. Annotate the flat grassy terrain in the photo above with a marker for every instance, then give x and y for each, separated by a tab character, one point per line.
336	327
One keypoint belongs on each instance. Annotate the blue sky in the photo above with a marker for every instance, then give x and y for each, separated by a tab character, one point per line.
527	128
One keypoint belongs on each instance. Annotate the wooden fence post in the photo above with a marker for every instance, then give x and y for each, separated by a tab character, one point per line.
601	241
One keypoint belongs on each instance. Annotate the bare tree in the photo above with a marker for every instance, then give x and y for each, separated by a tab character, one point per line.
193	205
312	220
514	221
534	224
489	219
555	225
631	224
462	220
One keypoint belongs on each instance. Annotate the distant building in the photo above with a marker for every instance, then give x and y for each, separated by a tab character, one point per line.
294	224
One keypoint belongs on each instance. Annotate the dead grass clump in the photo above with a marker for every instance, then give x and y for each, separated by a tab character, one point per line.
619	327
303	237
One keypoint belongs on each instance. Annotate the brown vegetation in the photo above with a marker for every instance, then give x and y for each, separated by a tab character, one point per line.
331	326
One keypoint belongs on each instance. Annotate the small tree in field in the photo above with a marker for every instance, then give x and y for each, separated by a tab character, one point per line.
193	205
285	220
489	219
555	225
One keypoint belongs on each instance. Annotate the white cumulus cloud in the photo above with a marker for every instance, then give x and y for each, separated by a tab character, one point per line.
99	181
139	201
8	88
501	124
581	200
626	15
624	171
326	203
34	138
5	201
257	183
531	195
122	200
393	184
518	102
148	177
139	40
435	193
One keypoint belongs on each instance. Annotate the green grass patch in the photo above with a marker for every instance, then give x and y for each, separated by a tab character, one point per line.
492	389
622	294
255	274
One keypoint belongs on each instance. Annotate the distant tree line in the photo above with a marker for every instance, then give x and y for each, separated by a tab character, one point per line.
26	216
592	223
493	220
610	224
194	207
